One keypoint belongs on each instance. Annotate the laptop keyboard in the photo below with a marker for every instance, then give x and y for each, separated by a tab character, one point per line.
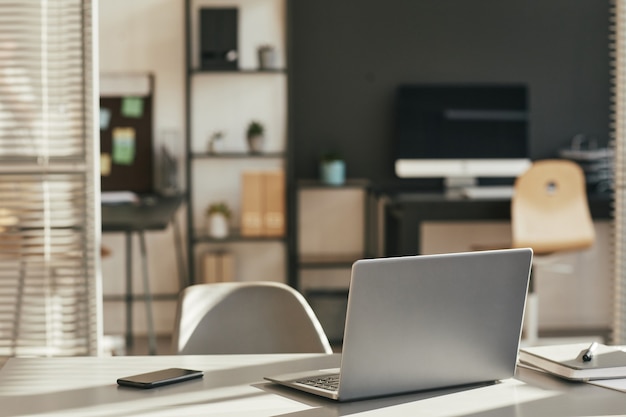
328	382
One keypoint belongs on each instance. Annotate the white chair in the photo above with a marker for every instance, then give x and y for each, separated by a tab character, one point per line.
550	214
246	317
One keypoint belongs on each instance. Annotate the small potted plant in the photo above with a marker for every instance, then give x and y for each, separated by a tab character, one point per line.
254	134
218	215
332	168
215	142
267	56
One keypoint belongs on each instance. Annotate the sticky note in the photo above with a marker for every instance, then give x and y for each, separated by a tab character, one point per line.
105	118
123	145
105	164
132	107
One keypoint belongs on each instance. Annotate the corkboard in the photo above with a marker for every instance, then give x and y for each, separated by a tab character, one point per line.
136	172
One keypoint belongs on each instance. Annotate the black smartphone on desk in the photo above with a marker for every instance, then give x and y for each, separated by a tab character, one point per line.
159	378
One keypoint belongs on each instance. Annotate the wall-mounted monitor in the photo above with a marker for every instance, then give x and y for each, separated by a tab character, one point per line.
461	132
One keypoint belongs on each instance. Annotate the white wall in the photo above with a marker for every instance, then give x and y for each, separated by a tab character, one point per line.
141	36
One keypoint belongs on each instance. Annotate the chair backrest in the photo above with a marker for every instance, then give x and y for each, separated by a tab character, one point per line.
549	209
246	317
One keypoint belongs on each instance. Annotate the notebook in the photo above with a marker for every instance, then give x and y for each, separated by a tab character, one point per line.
424	322
567	361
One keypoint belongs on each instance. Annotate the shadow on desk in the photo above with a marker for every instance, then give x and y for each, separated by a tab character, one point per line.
233	384
326	407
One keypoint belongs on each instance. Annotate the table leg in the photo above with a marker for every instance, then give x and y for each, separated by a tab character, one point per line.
178	244
147	295
129	290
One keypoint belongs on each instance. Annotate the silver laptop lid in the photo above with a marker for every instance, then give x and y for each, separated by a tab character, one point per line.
422	322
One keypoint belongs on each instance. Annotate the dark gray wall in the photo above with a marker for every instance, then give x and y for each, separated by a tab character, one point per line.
347	57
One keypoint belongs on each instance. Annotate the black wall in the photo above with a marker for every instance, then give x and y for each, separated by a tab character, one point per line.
347	56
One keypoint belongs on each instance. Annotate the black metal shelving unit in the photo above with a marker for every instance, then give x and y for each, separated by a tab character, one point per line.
194	235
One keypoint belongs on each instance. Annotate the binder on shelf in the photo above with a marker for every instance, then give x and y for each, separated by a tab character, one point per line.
263	203
218	267
274	203
252	203
566	361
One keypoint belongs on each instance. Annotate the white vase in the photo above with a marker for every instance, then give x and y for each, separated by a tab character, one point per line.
217	224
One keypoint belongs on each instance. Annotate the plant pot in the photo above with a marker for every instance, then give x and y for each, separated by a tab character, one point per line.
333	172
255	143
267	58
215	146
217	225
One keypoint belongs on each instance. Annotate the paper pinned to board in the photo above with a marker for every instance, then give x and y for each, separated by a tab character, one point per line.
124	145
132	107
105	118
105	164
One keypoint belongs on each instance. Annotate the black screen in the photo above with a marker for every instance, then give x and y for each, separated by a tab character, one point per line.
461	121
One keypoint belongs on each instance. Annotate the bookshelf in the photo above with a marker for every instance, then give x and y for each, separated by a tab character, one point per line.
226	100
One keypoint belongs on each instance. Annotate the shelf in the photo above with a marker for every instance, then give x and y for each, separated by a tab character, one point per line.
350	183
238	71
328	261
140	297
236	155
234	236
218	92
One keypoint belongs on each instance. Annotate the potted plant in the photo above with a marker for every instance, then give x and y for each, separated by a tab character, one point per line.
267	56
218	215
254	135
332	168
215	142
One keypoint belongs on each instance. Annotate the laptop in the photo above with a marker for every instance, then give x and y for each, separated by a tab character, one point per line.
424	322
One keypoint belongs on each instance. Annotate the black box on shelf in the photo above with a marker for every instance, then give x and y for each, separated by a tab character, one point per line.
218	39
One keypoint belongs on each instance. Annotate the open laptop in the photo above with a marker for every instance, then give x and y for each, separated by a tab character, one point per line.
424	322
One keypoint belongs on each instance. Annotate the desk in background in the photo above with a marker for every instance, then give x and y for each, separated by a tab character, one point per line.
233	385
153	213
404	213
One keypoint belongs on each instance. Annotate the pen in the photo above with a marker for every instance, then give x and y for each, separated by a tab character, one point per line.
588	355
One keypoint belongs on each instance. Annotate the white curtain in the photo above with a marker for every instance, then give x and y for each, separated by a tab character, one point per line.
49	210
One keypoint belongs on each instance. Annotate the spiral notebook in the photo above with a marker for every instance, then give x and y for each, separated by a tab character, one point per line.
567	361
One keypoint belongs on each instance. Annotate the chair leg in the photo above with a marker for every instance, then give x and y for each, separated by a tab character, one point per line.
531	315
531	320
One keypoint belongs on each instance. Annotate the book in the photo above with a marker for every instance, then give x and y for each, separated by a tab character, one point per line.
252	203
263	203
219	267
210	268
274	203
567	361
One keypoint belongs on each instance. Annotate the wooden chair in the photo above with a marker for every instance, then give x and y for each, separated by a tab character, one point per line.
246	317
550	214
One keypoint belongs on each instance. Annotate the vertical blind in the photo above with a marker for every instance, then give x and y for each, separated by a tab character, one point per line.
618	52
49	215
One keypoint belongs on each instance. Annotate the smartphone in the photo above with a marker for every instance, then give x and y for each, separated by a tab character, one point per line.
159	378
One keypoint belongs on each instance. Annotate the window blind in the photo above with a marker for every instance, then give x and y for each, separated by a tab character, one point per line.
49	214
618	58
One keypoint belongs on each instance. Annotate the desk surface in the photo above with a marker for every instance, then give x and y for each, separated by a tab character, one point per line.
154	213
233	386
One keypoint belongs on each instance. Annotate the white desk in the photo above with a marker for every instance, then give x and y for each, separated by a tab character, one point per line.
233	386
